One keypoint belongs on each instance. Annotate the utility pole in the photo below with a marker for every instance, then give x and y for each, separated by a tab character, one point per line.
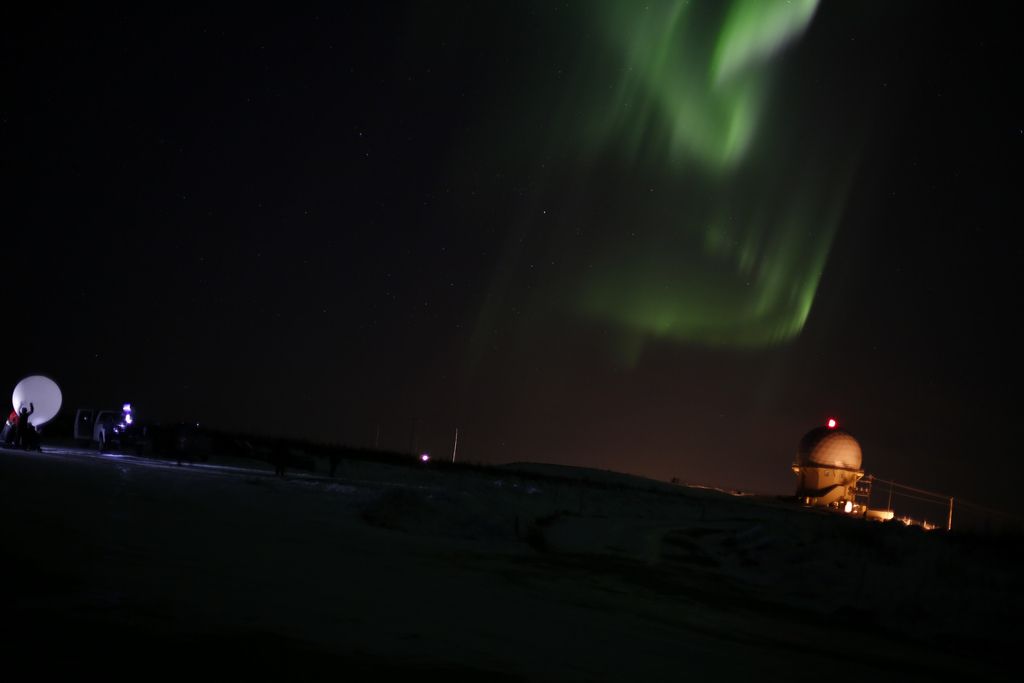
949	523
456	446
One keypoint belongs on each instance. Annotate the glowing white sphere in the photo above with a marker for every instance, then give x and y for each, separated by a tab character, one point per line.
43	393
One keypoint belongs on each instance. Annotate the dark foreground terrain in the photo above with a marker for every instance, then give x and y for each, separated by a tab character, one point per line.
135	567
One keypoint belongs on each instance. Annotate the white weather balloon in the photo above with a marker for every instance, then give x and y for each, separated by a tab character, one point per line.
43	393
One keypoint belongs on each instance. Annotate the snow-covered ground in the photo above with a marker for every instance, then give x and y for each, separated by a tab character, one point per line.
527	572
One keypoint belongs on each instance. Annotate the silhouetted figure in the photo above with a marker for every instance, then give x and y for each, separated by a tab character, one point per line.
32	440
280	458
25	439
10	433
181	445
335	458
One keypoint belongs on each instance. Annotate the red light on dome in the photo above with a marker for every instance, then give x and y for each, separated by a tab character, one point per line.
832	424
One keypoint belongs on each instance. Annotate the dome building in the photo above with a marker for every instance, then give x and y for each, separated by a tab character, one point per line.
828	467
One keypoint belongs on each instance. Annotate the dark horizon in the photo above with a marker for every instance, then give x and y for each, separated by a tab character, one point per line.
309	225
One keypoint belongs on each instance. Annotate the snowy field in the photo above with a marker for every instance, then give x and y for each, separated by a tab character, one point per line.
137	567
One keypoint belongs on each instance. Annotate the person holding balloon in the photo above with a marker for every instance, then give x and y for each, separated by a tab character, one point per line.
25	430
36	400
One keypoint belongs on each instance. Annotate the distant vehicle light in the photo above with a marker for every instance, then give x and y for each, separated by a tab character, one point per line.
832	424
425	457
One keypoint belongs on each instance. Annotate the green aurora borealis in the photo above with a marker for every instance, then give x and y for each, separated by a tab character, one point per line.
695	85
710	196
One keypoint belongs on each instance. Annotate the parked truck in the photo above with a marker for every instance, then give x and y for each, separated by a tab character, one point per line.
110	429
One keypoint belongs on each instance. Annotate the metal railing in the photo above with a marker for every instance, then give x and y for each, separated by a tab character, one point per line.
896	492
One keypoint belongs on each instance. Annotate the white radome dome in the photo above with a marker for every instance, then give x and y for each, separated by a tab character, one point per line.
825	447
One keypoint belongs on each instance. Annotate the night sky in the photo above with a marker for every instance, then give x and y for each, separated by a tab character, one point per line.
665	238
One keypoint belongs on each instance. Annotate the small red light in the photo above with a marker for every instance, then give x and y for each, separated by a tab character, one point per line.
832	423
